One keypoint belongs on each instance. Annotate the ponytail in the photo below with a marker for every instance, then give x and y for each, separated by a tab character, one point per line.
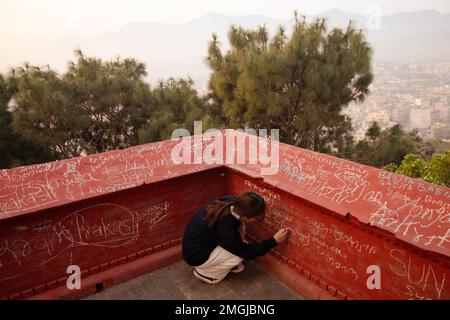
248	204
216	211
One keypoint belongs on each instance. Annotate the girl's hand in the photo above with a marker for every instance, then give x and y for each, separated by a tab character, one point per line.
281	235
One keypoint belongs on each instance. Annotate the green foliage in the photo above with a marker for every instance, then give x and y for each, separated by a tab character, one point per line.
297	84
93	107
111	102
44	114
392	146
380	148
390	167
14	150
374	131
412	166
176	105
436	170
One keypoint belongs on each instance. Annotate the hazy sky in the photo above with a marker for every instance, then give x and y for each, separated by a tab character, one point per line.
93	17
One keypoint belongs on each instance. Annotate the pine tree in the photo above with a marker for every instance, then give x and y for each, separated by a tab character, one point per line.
298	84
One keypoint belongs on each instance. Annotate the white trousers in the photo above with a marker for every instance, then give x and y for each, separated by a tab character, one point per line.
219	263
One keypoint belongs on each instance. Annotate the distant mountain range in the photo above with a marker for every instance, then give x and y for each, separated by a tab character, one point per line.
180	50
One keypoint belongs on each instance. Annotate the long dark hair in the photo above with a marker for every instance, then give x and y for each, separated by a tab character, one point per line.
248	204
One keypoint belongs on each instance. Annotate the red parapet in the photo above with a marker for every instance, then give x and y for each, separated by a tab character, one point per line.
412	210
334	252
48	185
114	209
92	211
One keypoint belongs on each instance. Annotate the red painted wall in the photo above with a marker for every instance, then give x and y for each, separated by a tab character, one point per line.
335	252
114	208
411	210
98	234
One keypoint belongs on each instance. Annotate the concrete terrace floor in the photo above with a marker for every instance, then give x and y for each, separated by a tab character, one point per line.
177	282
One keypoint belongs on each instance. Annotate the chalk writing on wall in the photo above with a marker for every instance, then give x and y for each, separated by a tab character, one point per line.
39	186
421	278
117	226
418	212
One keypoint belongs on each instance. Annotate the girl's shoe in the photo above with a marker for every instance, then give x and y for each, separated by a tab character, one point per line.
205	278
238	268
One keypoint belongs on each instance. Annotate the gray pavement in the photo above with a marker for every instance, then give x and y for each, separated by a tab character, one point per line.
177	282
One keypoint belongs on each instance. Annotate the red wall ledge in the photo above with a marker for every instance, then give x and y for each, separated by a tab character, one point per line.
121	213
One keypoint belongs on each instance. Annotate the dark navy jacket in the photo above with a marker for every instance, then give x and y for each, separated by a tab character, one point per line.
198	241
